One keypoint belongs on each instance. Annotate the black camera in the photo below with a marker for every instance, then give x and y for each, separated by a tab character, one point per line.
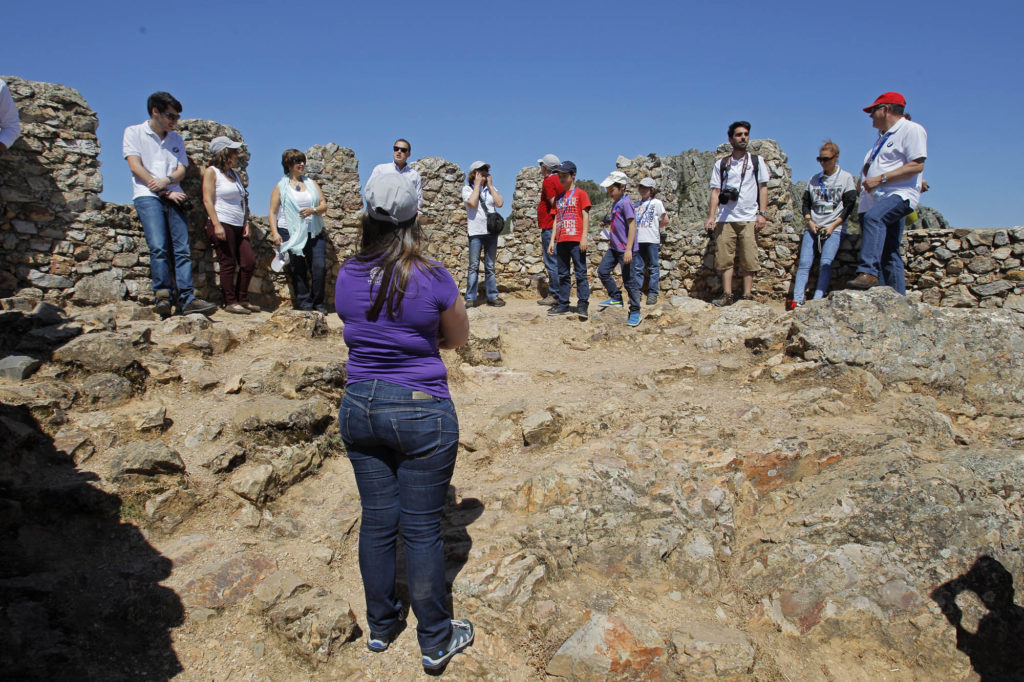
728	194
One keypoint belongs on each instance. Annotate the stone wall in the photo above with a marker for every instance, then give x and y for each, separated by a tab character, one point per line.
58	236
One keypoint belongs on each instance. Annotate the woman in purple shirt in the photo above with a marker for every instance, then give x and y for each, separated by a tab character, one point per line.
397	419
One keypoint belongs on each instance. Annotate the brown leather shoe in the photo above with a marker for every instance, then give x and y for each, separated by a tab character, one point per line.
863	281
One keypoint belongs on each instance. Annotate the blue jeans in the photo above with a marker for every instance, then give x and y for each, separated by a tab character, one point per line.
569	254
488	243
550	261
313	261
167	237
808	249
402	451
648	255
881	235
629	279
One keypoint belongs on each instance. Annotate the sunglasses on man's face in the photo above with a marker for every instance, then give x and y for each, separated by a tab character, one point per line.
171	115
404	150
823	159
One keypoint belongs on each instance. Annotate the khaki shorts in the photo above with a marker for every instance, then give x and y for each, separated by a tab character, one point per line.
727	235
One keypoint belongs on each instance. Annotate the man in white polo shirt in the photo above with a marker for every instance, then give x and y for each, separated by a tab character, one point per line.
156	157
890	188
401	151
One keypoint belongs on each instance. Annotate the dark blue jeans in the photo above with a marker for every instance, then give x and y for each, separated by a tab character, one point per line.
313	261
629	279
550	261
648	255
569	254
167	237
881	235
403	454
488	243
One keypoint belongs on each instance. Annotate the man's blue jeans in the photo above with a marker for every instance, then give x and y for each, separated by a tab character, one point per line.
612	258
488	243
403	454
648	254
167	237
881	235
312	264
808	250
550	261
569	254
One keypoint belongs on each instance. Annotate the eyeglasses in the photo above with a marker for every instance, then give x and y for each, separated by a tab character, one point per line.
404	150
876	108
823	159
173	116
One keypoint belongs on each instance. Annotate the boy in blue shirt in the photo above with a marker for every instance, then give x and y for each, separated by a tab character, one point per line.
622	248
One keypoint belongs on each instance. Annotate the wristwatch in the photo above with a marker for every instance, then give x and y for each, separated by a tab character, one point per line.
762	214
884	179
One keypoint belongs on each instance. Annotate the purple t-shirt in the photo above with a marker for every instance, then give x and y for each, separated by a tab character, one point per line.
403	350
622	213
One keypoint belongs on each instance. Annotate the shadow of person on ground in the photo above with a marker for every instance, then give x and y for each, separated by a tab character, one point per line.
79	588
995	649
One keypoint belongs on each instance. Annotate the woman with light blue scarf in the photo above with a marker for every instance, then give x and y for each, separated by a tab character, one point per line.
297	228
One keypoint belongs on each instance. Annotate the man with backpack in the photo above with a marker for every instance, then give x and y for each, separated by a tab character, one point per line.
739	195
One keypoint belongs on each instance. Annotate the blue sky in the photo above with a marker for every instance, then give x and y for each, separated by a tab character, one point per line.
509	82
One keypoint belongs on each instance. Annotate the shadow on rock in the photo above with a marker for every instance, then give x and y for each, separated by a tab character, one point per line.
79	588
995	647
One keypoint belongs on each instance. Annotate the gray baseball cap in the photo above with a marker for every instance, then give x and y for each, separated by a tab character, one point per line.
220	143
476	165
648	182
549	160
391	198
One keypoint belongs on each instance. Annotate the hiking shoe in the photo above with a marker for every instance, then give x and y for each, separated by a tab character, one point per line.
548	301
581	310
793	305
252	307
379	643
634	319
652	299
559	309
462	637
163	306
611	303
496	303
324	309
198	305
725	299
237	309
863	281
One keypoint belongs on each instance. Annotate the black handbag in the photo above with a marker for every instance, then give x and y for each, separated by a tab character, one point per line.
495	223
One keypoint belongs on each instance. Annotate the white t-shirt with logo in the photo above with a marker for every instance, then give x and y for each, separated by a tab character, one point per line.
159	157
648	221
905	141
827	196
743	209
476	217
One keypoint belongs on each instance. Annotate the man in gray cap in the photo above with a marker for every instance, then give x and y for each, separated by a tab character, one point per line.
550	189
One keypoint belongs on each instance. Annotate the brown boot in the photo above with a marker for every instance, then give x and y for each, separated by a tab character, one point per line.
863	281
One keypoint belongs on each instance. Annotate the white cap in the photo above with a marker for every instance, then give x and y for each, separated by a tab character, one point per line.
477	164
648	182
220	143
549	160
615	178
391	198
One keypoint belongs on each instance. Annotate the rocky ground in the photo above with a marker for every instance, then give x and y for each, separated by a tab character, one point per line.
717	494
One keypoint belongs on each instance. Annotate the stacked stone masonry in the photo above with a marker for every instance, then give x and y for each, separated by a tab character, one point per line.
60	237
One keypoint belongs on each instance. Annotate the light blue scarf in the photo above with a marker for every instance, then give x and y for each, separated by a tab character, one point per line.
297	234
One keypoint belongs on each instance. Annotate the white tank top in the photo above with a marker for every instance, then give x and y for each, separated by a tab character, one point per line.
228	200
303	199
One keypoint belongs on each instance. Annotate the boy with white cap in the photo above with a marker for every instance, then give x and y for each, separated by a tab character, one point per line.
650	218
622	247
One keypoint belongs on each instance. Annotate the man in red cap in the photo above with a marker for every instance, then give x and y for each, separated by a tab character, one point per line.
890	188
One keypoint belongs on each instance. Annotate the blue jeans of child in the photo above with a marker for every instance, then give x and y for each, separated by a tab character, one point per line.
881	235
167	237
648	254
629	278
808	250
312	262
488	243
402	451
569	254
550	261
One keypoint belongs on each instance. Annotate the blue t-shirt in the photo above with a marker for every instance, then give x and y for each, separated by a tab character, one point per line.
622	213
401	350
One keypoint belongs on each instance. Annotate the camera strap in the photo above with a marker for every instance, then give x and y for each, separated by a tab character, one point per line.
723	171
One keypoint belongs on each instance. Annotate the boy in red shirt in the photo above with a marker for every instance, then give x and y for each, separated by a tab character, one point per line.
572	222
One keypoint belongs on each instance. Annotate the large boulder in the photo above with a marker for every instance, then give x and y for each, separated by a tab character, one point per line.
101	352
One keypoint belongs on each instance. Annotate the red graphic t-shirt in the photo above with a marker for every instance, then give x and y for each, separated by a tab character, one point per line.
569	209
549	190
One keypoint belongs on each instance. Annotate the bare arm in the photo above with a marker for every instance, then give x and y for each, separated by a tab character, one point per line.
663	221
762	201
585	227
495	194
320	208
275	206
709	224
209	196
627	257
474	198
453	330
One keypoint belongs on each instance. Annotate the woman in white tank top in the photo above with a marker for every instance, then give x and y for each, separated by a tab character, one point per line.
296	226
224	197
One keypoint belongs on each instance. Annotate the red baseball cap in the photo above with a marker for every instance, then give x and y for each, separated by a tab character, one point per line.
887	98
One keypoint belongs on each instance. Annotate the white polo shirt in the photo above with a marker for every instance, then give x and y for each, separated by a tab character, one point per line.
409	172
159	157
904	142
10	124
